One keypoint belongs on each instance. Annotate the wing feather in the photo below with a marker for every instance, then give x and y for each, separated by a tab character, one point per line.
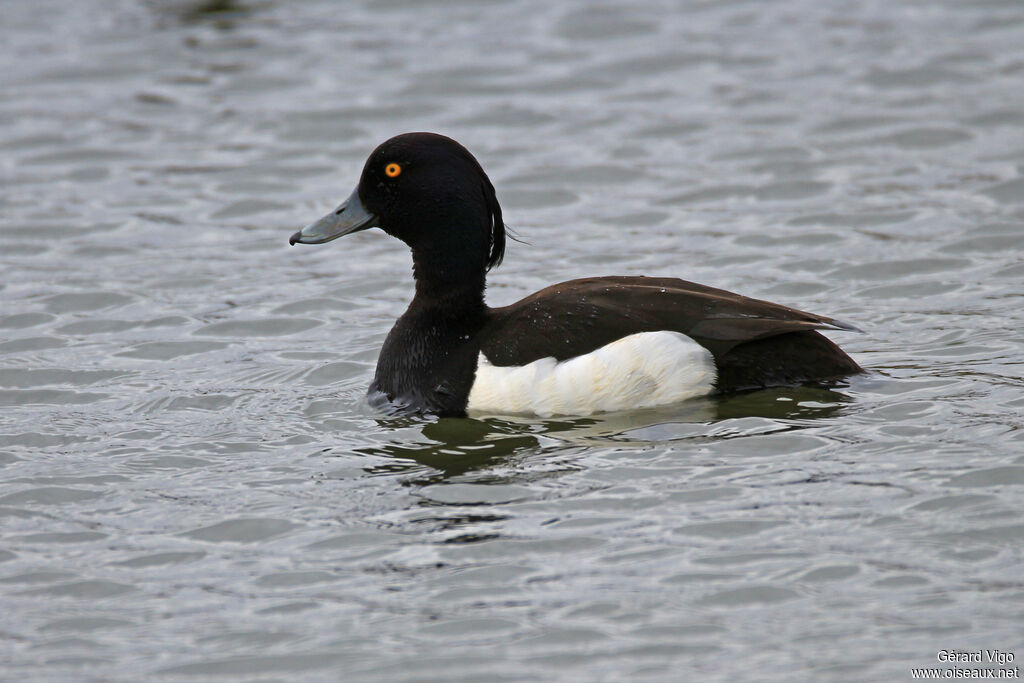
576	317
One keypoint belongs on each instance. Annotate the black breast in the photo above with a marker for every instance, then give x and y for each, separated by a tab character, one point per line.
428	364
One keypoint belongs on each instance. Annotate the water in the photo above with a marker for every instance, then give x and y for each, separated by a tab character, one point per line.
192	486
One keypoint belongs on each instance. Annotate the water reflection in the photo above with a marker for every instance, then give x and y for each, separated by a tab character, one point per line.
453	447
223	14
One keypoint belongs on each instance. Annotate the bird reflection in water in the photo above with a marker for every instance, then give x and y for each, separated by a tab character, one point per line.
456	446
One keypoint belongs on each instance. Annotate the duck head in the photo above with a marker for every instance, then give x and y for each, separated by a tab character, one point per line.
428	191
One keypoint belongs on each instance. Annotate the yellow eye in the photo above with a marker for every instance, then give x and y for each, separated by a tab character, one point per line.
392	170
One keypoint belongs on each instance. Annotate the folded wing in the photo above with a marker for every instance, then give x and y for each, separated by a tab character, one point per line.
754	342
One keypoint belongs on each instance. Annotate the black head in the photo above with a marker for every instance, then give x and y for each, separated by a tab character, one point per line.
428	191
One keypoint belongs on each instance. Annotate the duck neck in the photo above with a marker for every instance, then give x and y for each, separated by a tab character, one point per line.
446	285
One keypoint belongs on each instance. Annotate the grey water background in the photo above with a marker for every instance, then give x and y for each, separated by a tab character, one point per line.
192	485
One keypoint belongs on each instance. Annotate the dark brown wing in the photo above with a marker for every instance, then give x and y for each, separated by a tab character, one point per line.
576	317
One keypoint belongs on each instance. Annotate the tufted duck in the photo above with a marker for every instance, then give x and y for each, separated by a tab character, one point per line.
575	348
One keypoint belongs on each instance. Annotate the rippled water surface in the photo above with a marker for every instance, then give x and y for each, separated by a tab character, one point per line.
191	483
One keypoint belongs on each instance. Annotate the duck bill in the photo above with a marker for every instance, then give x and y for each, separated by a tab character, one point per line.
350	217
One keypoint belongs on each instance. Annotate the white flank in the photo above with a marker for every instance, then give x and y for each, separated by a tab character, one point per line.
639	371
